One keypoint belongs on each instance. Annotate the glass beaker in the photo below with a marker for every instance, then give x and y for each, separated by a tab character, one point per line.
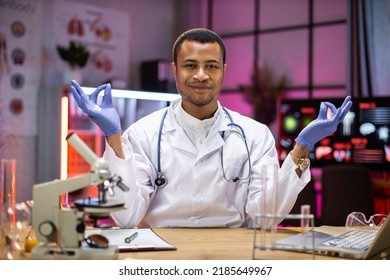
15	227
7	192
7	182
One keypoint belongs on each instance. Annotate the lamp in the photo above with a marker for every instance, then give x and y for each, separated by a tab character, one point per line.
137	94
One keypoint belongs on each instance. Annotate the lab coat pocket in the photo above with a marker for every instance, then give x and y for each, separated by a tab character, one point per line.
236	192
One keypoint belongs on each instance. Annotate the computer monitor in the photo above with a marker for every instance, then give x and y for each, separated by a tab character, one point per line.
363	137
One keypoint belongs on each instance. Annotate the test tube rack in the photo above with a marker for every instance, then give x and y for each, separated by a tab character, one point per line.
266	229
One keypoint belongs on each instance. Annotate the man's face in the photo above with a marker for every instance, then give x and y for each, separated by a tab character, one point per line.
199	75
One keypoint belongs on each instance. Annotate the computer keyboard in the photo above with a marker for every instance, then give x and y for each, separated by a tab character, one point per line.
354	239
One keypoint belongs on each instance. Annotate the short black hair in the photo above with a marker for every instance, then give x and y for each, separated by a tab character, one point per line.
201	35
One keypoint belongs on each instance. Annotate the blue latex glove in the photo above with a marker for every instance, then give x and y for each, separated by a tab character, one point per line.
322	126
105	116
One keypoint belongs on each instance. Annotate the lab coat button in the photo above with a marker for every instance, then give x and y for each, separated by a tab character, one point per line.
196	221
198	196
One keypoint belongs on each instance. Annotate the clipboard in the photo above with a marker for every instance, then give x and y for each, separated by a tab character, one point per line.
146	240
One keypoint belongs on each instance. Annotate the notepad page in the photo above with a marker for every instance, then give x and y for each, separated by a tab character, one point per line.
146	239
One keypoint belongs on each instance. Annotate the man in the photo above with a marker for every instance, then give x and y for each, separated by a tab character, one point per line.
197	164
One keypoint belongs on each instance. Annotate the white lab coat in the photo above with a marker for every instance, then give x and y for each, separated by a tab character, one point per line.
197	195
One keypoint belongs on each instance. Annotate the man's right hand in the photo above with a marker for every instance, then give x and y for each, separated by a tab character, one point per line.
105	116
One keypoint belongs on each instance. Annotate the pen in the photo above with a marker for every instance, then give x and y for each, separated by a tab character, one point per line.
131	237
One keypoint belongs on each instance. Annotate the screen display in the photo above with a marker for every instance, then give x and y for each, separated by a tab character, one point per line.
362	137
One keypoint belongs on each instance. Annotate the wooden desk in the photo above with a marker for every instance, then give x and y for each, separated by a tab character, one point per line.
216	244
213	244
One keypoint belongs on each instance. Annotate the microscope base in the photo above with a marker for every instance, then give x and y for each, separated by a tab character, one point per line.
52	252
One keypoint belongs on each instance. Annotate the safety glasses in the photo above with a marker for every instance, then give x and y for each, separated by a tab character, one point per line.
358	219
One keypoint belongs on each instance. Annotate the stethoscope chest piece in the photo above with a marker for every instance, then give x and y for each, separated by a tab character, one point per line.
160	180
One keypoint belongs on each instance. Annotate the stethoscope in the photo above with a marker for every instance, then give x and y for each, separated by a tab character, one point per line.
161	181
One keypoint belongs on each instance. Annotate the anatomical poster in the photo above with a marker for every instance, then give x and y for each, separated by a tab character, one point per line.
98	36
20	66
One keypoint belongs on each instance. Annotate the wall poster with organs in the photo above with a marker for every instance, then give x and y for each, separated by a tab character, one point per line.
94	41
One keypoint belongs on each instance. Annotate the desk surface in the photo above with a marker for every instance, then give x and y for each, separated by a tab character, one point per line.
216	244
